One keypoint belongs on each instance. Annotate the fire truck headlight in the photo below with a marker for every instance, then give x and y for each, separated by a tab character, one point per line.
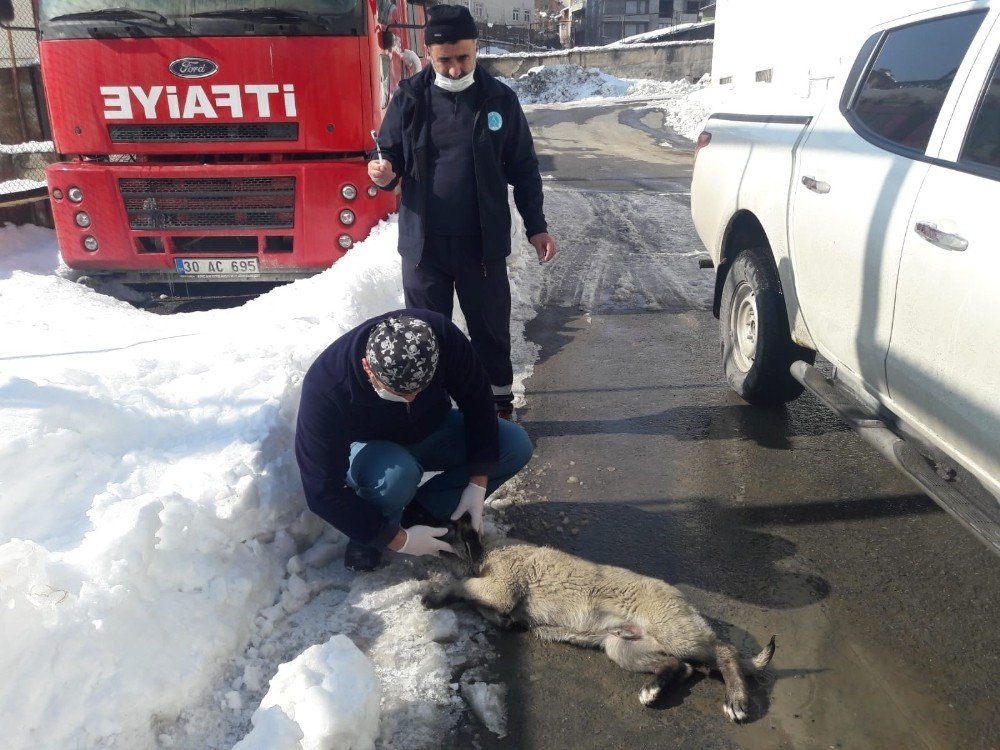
75	194
57	194
90	243
347	217
82	219
372	191
349	192
345	241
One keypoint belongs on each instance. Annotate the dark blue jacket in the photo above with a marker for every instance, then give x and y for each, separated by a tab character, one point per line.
503	153
339	407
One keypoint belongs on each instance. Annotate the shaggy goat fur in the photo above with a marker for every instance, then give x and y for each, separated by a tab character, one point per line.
641	623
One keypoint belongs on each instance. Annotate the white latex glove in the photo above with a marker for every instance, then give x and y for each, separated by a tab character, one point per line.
472	502
423	540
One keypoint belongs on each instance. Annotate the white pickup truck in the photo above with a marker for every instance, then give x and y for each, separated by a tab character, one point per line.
868	230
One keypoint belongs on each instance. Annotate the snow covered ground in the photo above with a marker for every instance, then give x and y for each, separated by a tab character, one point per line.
161	583
156	558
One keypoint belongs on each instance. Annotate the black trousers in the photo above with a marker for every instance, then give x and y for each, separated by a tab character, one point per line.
451	265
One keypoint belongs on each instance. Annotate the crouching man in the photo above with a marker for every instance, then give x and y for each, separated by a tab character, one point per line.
376	414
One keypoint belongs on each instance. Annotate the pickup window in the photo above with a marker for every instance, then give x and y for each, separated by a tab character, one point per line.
982	145
907	81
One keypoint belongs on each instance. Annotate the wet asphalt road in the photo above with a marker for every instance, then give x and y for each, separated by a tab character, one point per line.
772	521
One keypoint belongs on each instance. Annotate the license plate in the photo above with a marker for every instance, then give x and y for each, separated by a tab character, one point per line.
217	266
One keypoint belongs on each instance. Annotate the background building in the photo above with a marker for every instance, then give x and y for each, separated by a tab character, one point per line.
611	20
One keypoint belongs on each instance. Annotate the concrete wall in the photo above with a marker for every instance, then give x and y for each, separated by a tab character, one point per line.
669	61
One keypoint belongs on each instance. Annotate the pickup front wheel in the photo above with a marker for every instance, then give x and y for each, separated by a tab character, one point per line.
757	348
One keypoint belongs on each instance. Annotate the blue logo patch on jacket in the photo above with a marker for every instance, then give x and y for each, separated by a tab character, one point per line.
494	121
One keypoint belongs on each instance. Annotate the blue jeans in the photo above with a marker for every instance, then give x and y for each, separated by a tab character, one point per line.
387	474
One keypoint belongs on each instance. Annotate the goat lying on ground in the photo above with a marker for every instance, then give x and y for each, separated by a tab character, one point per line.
642	623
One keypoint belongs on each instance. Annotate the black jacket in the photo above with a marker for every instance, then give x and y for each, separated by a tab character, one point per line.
339	407
503	154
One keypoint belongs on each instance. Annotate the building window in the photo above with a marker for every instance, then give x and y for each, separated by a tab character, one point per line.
764	76
631	29
692	6
516	14
666	8
527	16
477	10
725	80
636	7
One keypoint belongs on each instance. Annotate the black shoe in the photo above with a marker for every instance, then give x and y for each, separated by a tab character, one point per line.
416	514
505	407
361	557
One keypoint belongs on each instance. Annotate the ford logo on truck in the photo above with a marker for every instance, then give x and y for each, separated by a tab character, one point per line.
193	67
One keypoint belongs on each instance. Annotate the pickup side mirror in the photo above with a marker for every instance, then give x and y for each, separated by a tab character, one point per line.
6	11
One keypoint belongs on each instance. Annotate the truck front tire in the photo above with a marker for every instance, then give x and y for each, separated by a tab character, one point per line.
757	347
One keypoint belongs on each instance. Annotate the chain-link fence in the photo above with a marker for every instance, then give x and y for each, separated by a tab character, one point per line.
25	145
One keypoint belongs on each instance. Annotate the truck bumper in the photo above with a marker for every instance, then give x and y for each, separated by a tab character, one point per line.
141	219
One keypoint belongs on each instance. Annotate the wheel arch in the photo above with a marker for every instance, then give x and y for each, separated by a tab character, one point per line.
744	231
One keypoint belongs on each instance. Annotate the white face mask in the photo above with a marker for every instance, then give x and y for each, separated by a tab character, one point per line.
454	85
389	395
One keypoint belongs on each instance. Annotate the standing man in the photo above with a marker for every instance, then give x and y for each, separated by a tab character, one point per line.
376	413
456	138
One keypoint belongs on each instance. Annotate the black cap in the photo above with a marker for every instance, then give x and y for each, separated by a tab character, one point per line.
449	23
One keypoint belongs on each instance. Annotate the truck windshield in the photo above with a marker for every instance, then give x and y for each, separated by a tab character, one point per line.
77	19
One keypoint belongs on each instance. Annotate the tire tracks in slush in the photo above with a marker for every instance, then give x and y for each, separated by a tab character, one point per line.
624	251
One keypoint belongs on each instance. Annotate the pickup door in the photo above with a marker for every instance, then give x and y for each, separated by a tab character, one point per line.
857	177
942	365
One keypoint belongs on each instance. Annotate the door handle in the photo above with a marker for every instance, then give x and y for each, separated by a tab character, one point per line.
935	236
817	186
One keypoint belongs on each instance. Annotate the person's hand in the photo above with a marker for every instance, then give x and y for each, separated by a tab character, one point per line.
423	540
472	501
544	245
381	172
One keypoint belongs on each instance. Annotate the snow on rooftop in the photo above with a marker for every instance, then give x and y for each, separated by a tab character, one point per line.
9	187
663	34
563	52
30	147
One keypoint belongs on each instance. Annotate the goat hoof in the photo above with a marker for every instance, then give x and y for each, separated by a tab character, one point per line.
736	709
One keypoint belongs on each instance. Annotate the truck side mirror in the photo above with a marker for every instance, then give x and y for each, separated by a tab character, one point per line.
6	11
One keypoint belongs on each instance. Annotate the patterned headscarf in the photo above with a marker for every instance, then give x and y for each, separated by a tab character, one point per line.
402	352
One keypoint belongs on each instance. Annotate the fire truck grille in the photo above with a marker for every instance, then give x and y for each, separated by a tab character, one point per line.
258	131
209	203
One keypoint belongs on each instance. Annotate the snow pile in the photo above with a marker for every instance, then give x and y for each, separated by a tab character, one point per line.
550	84
686	115
29	249
328	696
547	84
157	562
488	704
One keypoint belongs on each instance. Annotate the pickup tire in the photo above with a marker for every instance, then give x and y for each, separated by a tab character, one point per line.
757	347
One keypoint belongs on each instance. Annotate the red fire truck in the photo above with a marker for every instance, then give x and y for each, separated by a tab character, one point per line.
219	140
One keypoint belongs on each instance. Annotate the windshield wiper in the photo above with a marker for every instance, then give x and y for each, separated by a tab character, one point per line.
278	15
115	14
